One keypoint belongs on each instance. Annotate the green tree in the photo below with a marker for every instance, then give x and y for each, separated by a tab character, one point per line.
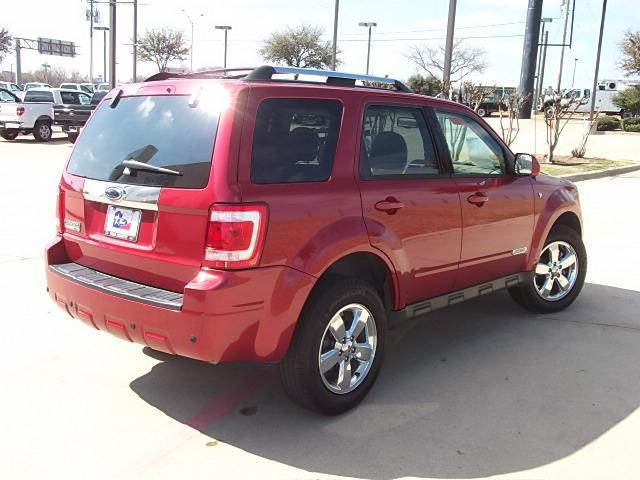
162	46
628	99
424	84
298	47
630	49
5	42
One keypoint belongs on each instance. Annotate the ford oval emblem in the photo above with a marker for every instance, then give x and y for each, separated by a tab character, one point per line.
114	193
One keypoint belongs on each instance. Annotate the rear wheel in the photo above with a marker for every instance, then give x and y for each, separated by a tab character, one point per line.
9	134
337	350
72	137
42	131
559	274
482	112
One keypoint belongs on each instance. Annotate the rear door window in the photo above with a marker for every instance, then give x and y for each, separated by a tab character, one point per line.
295	140
163	131
396	142
41	97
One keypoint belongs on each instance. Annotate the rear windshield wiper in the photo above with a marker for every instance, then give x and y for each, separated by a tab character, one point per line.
136	165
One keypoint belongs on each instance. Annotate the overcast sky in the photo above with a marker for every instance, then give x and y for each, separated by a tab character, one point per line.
495	25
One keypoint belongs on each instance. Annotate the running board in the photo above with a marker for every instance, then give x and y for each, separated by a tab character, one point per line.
423	307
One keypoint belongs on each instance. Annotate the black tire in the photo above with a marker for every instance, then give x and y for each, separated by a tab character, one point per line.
482	112
527	295
300	369
42	131
72	137
9	134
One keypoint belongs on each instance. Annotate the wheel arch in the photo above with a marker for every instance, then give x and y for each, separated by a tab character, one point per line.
568	216
43	118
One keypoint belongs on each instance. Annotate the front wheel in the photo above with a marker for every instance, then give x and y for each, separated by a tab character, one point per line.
559	274
337	349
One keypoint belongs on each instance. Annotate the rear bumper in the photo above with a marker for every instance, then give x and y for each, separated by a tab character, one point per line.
10	125
220	316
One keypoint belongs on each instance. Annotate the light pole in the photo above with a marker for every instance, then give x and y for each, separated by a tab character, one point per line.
573	78
191	22
45	67
226	29
104	31
334	47
448	49
369	25
544	21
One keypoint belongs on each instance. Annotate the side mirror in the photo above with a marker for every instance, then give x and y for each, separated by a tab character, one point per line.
526	165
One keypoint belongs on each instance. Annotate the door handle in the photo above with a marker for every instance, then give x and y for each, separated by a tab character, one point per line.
478	199
390	205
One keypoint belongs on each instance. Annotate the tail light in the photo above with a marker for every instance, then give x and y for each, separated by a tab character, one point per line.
19	111
60	210
235	236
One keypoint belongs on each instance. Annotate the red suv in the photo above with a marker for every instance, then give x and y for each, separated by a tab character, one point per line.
226	216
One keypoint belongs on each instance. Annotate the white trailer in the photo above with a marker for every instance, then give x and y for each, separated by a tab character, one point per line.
607	90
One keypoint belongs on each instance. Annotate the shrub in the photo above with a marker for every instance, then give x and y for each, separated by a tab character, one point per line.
632	128
606	124
631	124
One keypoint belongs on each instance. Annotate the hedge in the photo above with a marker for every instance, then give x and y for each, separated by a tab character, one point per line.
632	128
605	124
631	124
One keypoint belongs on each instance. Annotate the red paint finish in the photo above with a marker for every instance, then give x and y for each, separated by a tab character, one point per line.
432	235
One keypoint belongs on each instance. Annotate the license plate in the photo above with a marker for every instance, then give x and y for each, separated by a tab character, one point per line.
122	223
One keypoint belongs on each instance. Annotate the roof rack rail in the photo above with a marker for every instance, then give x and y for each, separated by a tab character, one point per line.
266	72
214	72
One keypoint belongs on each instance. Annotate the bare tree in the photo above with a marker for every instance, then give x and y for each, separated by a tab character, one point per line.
473	95
630	50
162	46
5	42
513	104
298	47
464	61
557	113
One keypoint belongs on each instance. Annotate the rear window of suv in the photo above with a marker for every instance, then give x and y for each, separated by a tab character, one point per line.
163	131
295	140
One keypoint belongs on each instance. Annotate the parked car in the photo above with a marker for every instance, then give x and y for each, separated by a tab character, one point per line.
12	87
30	85
222	220
81	87
103	87
73	112
33	115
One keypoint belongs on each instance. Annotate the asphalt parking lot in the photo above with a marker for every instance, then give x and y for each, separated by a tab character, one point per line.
480	390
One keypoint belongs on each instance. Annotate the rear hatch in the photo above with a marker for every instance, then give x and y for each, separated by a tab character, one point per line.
136	193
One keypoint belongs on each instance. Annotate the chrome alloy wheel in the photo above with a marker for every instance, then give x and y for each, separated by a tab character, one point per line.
556	271
347	349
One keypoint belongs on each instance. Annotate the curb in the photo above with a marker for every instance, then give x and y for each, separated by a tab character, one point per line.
578	177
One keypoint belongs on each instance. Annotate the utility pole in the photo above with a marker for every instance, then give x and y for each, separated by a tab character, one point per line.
191	22
448	48
544	59
564	39
536	95
369	25
226	29
573	78
112	43
104	31
91	41
18	63
594	90
529	54
135	41
335	36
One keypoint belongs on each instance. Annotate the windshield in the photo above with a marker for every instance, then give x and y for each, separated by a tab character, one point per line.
163	131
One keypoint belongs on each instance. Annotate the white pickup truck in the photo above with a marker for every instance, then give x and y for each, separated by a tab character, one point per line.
33	115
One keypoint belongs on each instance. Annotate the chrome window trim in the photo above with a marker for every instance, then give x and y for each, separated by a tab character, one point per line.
134	196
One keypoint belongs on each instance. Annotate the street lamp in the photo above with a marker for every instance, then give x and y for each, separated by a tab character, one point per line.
575	62
45	67
226	29
368	25
104	52
541	60
192	23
